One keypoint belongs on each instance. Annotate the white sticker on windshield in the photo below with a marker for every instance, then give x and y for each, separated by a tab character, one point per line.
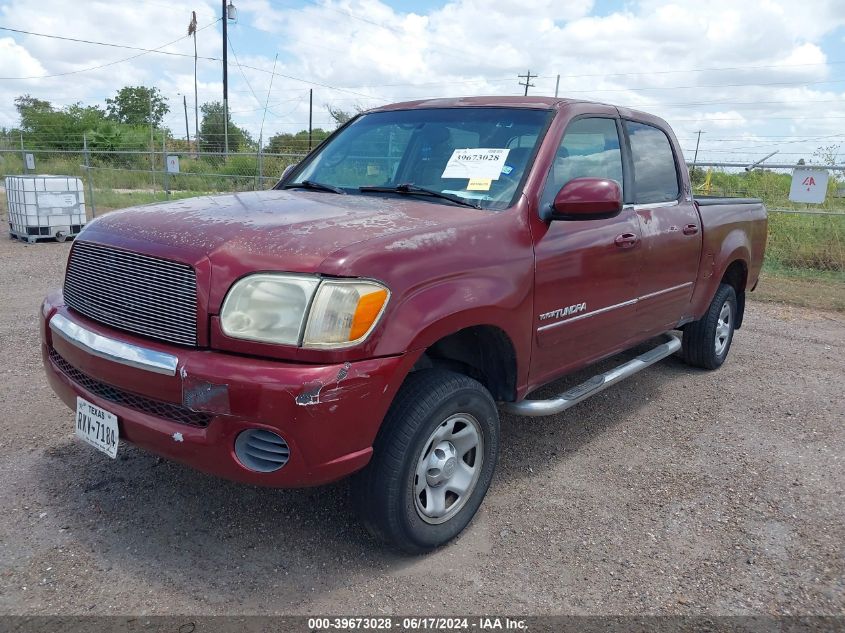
481	162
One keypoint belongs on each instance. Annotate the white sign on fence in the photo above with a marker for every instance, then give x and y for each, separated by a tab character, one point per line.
30	162
173	164
808	185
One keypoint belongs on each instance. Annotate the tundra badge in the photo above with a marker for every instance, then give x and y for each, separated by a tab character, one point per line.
562	312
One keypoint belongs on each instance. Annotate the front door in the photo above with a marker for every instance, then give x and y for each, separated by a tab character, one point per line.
670	228
586	270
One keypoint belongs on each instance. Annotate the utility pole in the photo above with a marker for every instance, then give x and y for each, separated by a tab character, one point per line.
187	132
557	86
225	80
23	154
88	176
152	142
310	114
192	30
695	157
528	76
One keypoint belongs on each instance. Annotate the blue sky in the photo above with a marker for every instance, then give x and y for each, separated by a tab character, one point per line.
754	76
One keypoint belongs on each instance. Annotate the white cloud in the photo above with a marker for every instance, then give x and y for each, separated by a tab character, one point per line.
463	47
16	61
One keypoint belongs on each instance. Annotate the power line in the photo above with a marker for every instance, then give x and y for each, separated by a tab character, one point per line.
741	85
111	44
146	51
313	83
119	61
243	74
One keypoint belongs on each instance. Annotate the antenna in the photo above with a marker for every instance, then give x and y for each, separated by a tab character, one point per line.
755	164
267	103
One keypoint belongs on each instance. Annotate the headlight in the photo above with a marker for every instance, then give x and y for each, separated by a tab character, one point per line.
344	312
274	308
268	307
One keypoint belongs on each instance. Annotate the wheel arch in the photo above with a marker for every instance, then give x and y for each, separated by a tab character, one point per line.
736	276
484	352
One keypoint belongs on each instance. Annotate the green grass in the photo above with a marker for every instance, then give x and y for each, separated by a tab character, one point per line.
806	242
772	187
139	171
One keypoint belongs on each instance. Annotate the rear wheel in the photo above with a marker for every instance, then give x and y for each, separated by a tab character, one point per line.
432	462
707	341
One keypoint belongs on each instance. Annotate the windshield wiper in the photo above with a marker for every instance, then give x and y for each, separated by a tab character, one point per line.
316	186
412	189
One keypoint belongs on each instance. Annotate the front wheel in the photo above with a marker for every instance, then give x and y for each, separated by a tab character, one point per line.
707	341
432	462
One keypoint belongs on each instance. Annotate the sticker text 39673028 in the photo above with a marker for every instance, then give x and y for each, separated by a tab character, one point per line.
483	162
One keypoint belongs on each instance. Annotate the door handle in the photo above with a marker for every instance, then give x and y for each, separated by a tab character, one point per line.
690	229
626	240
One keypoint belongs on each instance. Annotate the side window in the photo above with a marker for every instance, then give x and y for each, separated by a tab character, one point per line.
589	149
655	173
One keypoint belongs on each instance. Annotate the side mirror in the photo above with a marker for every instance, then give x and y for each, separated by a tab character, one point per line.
287	170
586	199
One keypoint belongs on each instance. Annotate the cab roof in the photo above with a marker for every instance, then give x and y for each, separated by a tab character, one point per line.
531	102
542	103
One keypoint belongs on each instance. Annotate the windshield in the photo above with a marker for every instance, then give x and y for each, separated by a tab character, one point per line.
475	154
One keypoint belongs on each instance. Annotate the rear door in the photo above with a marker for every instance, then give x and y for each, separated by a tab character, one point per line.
585	279
670	230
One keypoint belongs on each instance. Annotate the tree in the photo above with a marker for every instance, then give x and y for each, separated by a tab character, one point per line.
109	136
137	105
212	132
342	116
46	127
829	155
286	142
31	110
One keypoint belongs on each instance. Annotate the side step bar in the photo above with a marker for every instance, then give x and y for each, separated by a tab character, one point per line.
537	408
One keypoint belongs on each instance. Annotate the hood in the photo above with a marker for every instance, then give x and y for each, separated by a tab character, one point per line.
265	230
229	236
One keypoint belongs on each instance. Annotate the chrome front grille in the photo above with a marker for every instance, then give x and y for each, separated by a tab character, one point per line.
133	292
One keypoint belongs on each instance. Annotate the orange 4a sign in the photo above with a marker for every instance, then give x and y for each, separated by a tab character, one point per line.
808	185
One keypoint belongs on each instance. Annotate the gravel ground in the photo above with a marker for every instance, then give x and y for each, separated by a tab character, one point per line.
679	491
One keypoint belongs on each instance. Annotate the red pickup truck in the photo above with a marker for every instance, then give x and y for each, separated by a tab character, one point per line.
429	260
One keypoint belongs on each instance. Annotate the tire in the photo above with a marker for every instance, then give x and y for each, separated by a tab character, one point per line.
406	495
707	341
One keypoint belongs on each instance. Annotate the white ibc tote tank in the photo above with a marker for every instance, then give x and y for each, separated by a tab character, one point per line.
45	207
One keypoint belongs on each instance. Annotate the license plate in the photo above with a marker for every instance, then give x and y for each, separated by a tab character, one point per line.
96	427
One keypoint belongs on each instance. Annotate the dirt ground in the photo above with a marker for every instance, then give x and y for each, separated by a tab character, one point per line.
679	491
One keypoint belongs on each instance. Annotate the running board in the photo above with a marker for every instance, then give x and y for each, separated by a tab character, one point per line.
596	384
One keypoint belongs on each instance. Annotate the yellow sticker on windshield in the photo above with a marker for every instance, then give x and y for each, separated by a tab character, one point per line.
373	170
479	184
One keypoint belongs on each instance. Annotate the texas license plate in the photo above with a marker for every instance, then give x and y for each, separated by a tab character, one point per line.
96	427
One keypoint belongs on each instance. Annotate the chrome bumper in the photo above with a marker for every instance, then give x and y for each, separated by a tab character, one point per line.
112	349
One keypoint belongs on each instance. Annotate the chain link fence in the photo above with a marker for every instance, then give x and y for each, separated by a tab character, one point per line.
116	179
803	239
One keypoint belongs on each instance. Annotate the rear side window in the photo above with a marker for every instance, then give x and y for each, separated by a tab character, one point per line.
655	174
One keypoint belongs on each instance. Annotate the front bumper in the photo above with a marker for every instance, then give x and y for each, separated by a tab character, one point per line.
328	414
